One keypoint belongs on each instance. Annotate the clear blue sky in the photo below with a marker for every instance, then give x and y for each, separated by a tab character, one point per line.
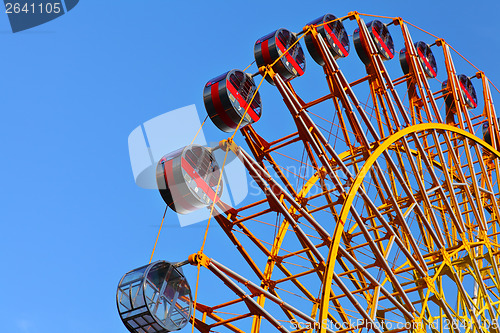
73	221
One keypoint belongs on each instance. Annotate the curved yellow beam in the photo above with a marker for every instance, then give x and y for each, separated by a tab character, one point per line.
391	140
332	254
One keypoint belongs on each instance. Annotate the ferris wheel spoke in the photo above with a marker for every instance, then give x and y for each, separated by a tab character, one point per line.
456	160
381	69
261	150
395	280
421	82
475	187
378	168
277	188
461	110
466	299
390	229
382	75
456	218
388	191
342	87
255	289
459	223
252	305
455	214
355	303
227	227
259	175
345	169
442	195
380	260
302	120
375	282
479	281
486	179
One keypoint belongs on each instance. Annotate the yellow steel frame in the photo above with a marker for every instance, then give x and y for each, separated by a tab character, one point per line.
332	256
363	155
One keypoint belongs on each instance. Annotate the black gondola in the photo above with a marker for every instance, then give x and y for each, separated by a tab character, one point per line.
226	98
425	56
154	298
188	178
270	47
486	131
334	34
380	36
468	92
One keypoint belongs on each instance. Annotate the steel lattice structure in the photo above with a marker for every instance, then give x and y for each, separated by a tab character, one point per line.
396	229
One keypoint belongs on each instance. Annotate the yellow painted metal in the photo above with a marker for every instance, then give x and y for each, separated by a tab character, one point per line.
332	255
381	99
388	144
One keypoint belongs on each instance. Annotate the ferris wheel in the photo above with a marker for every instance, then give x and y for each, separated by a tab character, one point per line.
388	223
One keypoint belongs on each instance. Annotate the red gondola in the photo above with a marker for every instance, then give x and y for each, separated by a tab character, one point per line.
426	59
227	100
188	178
380	36
334	34
468	92
270	47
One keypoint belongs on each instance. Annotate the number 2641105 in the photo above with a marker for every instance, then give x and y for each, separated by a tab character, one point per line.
47	8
